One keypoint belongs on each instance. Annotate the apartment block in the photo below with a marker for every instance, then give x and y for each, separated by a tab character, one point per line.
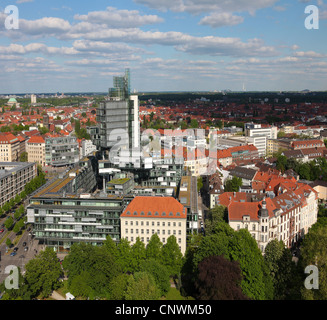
35	148
13	178
61	151
9	147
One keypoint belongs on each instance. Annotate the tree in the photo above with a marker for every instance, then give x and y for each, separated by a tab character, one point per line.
124	256
194	124
118	286
215	215
238	246
137	255
159	273
171	256
42	273
96	261
9	222
199	183
314	252
256	284
219	279
110	245
153	248
142	286
281	268
233	185
281	163
23	157
79	285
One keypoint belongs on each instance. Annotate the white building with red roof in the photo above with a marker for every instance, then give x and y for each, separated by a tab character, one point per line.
286	214
145	216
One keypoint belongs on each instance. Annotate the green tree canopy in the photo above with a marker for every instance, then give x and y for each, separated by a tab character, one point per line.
42	273
142	286
153	248
171	256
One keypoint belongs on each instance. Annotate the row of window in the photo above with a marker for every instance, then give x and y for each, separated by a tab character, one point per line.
153	231
147	223
163	240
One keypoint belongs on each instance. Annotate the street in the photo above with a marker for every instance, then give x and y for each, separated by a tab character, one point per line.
21	257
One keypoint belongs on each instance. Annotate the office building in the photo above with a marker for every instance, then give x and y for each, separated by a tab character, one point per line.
145	216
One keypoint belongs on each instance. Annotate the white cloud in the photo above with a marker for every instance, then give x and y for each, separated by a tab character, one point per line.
197	7
115	18
216	20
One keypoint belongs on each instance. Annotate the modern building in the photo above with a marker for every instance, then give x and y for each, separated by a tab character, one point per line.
61	151
13	178
87	147
71	210
118	117
145	216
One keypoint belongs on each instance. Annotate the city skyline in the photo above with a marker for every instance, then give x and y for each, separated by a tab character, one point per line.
186	45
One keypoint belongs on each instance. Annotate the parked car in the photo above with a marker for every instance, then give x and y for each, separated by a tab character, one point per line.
26	248
2	230
15	249
13	254
24	244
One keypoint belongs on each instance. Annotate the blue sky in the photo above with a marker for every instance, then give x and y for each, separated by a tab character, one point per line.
169	45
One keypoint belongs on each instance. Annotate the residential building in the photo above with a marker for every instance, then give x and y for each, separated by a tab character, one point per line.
13	178
35	148
61	151
9	147
305	144
246	174
286	213
145	216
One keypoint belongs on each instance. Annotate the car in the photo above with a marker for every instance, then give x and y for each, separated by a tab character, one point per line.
2	230
15	249
24	244
26	248
13	254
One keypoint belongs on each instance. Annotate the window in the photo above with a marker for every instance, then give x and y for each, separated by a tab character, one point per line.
126	230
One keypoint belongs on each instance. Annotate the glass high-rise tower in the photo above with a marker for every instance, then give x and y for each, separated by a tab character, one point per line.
118	116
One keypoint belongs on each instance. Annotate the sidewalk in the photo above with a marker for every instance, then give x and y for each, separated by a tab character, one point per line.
55	295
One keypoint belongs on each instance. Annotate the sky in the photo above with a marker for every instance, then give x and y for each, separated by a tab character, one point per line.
168	45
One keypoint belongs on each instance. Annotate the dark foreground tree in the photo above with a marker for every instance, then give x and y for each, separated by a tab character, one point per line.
219	279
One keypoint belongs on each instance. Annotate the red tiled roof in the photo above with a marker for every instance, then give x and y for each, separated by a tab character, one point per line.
36	139
159	207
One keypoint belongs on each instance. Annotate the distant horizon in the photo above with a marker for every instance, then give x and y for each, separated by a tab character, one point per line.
163	92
